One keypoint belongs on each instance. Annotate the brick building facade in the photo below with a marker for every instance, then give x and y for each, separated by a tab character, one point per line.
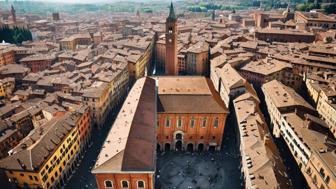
191	115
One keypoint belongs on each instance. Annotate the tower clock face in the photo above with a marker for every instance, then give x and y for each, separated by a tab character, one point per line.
170	40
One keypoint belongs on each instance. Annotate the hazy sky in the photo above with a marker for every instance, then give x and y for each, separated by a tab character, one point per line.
92	1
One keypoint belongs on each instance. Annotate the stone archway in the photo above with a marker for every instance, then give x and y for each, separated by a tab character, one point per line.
200	147
178	145
212	148
190	147
178	136
167	147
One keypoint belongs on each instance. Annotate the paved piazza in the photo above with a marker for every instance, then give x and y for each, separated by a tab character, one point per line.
184	170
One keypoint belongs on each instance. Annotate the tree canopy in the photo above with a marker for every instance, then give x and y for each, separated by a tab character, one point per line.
15	35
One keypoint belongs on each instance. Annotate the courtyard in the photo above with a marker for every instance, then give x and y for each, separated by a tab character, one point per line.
202	170
184	170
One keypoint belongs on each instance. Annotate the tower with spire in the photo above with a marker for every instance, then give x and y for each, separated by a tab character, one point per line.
171	67
138	14
13	13
213	16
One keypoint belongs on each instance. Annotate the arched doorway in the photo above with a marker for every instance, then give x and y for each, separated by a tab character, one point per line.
190	147
212	148
178	136
167	147
178	145
158	148
200	147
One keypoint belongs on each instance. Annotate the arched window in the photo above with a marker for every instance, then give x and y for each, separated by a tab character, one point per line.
179	122
192	122
204	122
167	121
108	184
124	184
216	123
170	30
178	136
141	184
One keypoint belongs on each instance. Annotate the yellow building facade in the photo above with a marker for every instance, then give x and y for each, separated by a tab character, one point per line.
29	166
7	86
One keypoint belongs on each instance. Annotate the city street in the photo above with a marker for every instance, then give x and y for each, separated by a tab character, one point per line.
83	178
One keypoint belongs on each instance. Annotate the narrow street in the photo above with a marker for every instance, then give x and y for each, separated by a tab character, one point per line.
293	169
82	177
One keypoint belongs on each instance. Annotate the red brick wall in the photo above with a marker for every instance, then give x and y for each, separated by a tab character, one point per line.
195	135
171	66
131	178
37	66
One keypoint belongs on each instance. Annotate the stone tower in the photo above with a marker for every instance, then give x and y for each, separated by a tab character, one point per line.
138	14
171	67
13	14
55	16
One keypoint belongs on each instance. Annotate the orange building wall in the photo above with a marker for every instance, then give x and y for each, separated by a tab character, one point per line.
191	135
85	126
132	178
7	58
39	65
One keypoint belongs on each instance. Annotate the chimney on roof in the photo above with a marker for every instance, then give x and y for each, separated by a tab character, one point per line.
269	142
23	146
40	131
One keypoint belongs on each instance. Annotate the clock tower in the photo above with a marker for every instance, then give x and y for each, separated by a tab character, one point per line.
171	67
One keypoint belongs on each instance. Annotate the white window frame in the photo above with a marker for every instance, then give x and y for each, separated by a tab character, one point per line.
121	182
205	119
214	125
143	184
168	120
179	120
108	186
192	122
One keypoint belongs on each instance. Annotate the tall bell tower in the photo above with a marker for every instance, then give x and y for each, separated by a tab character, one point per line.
13	13
171	67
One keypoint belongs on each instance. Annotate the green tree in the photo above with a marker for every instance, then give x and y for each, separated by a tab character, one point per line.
14	35
329	8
